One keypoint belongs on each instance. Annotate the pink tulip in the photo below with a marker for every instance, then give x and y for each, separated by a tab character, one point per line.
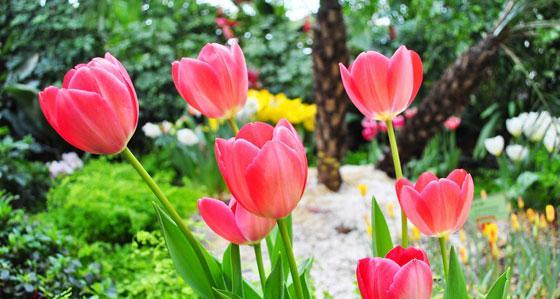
382	126
452	123
437	206
369	123
382	87
96	110
233	222
398	122
402	274
369	133
410	112
265	167
215	83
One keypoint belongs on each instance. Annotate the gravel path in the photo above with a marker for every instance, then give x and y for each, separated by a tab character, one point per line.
331	228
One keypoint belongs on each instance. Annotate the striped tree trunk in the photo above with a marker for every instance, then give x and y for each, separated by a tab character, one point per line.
329	48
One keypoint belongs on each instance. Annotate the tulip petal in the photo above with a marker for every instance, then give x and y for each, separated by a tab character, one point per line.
466	198
400	80
89	122
457	176
375	276
401	183
233	157
370	71
240	76
402	255
258	133
48	102
276	180
412	281
285	133
219	217
423	180
417	70
68	77
443	198
416	209
253	227
354	93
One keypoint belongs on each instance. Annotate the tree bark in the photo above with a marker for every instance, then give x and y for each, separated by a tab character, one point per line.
449	96
329	49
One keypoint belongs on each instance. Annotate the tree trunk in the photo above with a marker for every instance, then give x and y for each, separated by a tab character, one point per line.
329	48
449	96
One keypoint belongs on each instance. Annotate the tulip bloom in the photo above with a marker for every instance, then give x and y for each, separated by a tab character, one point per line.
232	222
382	87
265	167
96	110
437	206
452	123
402	274
215	83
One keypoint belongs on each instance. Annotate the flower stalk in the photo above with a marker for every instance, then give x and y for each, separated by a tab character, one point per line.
443	250
237	280
283	227
260	265
398	175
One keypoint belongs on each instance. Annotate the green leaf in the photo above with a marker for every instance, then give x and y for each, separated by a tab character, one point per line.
275	246
275	287
225	294
455	282
226	266
381	237
188	265
500	287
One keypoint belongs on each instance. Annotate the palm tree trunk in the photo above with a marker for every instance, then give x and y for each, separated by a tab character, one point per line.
329	48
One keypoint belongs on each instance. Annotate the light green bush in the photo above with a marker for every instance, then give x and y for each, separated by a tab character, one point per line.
109	202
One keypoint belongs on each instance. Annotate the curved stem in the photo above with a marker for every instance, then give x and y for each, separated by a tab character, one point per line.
260	265
236	278
170	210
443	255
233	124
398	175
283	227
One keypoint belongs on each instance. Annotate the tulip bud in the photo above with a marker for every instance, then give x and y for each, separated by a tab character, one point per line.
494	145
550	213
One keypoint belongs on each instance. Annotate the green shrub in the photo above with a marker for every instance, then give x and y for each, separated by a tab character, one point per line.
28	179
140	269
109	202
36	260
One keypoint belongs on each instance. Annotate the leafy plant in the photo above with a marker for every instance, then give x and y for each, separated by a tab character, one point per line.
107	201
37	261
18	175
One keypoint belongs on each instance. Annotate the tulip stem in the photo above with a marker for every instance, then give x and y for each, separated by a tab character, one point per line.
398	175
170	210
443	255
236	279
283	227
260	266
233	124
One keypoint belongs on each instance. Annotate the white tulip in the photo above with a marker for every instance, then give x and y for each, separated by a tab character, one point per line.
73	160
516	152
166	126
187	137
536	125
151	130
514	125
494	145
552	137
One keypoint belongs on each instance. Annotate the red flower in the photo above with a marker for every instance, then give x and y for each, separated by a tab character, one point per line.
452	123
233	222
402	274
437	206
215	83
382	87
96	110
265	168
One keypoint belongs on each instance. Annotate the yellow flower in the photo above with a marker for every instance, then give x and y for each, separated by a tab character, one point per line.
391	210
214	124
530	214
415	234
483	194
515	222
550	213
491	232
462	236
272	108
520	202
368	225
464	255
363	189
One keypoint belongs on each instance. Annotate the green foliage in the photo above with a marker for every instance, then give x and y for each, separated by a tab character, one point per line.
380	234
141	269
28	179
440	157
107	201
36	261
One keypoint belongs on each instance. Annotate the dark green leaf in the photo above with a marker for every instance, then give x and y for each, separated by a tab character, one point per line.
275	287
455	282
